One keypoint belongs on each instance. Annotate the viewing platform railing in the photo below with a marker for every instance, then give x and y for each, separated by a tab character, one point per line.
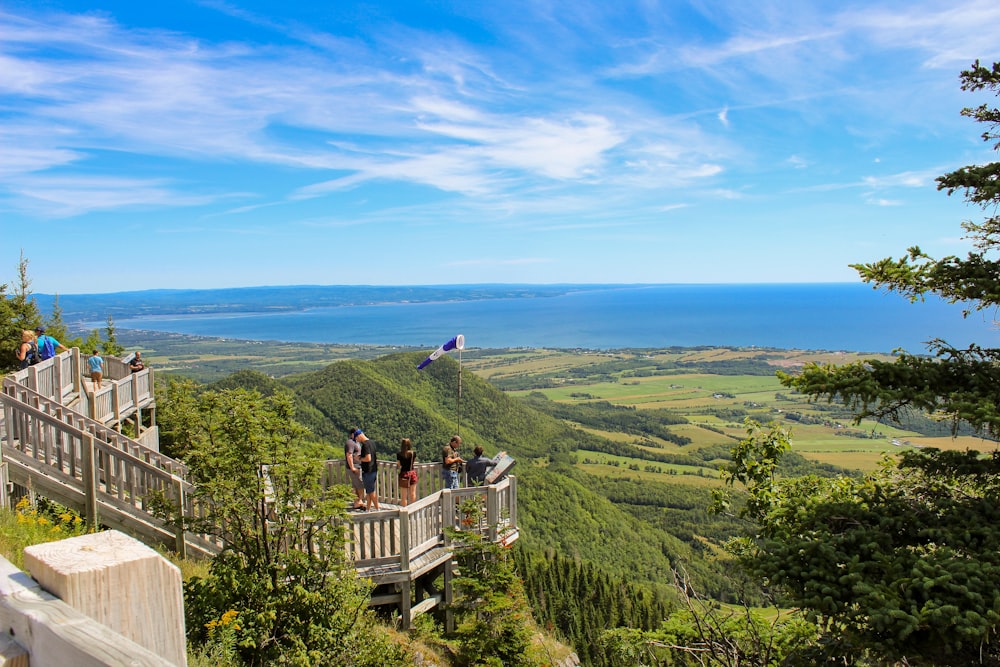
109	477
95	470
391	539
124	392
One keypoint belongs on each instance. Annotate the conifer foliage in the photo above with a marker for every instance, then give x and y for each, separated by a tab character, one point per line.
284	575
962	384
580	602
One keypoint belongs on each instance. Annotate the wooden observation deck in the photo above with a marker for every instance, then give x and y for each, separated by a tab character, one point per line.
62	441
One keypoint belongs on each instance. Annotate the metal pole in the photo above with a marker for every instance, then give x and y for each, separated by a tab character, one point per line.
459	392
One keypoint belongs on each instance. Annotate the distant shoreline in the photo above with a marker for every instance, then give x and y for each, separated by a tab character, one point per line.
831	317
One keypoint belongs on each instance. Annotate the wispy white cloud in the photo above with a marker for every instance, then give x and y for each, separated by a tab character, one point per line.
906	179
485	261
69	196
612	120
723	117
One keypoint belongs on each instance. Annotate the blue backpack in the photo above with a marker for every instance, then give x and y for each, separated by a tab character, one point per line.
46	347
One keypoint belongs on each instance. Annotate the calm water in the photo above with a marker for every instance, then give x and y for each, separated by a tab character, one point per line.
825	317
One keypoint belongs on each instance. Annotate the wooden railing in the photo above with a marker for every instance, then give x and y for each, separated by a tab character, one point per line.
399	536
95	470
108	477
123	392
59	379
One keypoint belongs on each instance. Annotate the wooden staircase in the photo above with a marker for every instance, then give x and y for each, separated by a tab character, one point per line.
51	449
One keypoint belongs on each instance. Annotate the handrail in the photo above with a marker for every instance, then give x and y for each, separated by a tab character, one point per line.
104	468
402	535
28	397
59	379
119	473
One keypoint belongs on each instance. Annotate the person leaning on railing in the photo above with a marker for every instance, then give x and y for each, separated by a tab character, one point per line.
47	345
27	350
136	364
477	466
451	462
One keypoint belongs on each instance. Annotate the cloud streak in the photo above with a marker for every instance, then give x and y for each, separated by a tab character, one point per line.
590	125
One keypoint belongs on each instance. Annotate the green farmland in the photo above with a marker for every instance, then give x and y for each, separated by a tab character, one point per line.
714	390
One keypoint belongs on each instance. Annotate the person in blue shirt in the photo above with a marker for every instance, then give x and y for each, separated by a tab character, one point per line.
47	345
96	365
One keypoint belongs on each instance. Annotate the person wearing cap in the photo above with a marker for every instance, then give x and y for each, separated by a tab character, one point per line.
369	469
352	454
451	462
47	345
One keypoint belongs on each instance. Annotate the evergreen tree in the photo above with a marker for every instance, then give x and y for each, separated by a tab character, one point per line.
962	384
55	327
111	345
494	622
18	311
284	574
23	305
901	566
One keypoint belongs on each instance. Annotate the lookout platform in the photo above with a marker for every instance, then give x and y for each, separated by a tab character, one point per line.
60	439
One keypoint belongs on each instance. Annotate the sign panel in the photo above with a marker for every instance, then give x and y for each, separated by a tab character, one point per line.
503	466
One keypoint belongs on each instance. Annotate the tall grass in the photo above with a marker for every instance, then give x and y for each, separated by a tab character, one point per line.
29	524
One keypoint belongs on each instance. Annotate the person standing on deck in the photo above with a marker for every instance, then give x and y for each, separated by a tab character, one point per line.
27	351
369	469
136	364
451	462
352	454
96	365
477	466
407	475
47	345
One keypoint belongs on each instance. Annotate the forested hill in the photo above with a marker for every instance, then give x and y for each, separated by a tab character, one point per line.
390	399
560	507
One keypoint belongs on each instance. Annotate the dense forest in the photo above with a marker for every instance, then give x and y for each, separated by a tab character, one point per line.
561	508
612	537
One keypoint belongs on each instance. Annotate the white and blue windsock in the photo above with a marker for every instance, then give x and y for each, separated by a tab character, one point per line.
456	343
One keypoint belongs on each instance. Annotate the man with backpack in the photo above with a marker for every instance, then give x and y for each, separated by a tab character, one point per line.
47	345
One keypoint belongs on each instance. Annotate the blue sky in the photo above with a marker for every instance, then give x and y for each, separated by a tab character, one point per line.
225	143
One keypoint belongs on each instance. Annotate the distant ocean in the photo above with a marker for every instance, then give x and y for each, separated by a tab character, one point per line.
849	317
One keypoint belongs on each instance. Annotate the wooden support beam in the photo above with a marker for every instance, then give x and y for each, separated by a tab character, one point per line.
405	602
119	582
89	481
51	632
424	606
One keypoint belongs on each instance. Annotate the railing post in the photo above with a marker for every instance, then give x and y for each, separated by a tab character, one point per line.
512	500
447	514
89	480
492	512
180	544
404	540
77	371
116	404
32	378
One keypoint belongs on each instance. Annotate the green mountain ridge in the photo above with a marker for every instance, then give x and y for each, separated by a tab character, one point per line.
560	507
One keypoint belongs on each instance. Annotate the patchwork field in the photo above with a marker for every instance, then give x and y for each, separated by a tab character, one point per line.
714	390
